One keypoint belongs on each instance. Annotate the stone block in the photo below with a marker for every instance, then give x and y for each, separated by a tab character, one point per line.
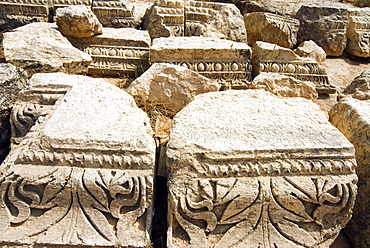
268	57
358	33
116	52
227	62
249	169
65	3
359	87
352	117
80	172
271	28
326	25
309	49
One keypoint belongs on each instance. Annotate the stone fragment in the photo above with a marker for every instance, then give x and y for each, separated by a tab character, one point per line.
216	20
326	25
249	169
77	21
116	13
358	32
168	88
66	3
121	52
309	49
271	28
284	85
15	13
80	173
267	57
40	47
352	118
359	87
227	62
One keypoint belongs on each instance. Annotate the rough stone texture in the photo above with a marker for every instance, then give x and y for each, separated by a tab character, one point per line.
65	3
271	28
40	47
116	13
267	57
77	21
80	171
249	169
358	32
326	25
169	87
309	49
216	20
352	118
15	13
360	87
283	85
122	52
224	61
12	80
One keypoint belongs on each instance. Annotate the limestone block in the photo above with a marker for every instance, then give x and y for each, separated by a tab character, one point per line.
359	87
166	18
15	13
116	13
77	21
227	62
216	20
352	118
309	49
268	57
40	47
249	169
117	52
284	85
326	25
169	87
358	34
271	28
80	171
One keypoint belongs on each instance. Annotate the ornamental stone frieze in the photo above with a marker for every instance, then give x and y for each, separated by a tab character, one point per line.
80	171
249	169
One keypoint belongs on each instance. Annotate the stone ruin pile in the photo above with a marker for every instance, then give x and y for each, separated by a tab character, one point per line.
245	167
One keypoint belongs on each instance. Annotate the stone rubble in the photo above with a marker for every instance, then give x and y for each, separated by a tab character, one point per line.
309	49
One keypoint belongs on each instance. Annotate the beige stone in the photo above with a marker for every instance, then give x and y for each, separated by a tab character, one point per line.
117	52
358	34
77	21
227	62
40	47
268	57
352	117
309	49
359	87
80	173
283	85
326	25
249	169
271	28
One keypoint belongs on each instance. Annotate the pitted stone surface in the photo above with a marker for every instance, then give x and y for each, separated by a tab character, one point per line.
249	169
85	155
358	33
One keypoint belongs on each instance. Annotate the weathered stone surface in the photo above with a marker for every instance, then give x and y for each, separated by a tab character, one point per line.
268	57
358	32
271	28
81	169
359	87
65	3
283	85
15	13
40	47
352	118
166	18
326	25
249	169
116	13
117	52
224	61
77	21
216	20
169	87
309	49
